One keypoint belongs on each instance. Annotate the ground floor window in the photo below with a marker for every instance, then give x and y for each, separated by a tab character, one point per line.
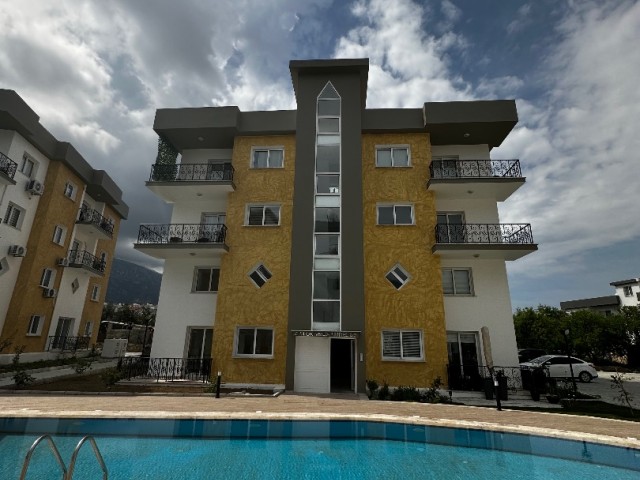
254	342
465	371
402	345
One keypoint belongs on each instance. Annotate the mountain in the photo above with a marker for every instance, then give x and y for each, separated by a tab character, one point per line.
131	283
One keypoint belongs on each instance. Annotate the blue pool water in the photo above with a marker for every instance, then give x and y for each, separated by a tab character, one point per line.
200	449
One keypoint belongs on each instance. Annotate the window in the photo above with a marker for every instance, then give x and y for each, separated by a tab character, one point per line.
88	329
75	285
267	158
262	215
395	214
206	279
28	165
254	342
35	325
392	157
4	266
95	293
327	220
627	291
260	275
402	345
48	276
70	190
450	227
328	184
327	244
59	234
457	281
14	216
398	277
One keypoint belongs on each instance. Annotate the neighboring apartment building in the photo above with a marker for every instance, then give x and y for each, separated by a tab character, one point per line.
318	247
627	295
58	230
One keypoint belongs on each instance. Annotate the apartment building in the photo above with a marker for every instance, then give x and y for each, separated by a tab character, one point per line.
627	294
316	248
60	221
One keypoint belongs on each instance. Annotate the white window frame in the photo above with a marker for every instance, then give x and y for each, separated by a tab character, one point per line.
261	274
269	149
395	223
52	277
264	207
255	336
63	234
26	159
95	293
9	214
402	358
627	290
88	331
392	148
402	281
195	279
70	190
455	294
38	329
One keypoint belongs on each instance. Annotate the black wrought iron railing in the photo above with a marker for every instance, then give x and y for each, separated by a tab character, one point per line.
192	172
484	233
175	233
93	217
67	343
472	377
166	369
7	166
449	169
83	259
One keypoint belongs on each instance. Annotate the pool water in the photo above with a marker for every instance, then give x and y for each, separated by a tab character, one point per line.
192	454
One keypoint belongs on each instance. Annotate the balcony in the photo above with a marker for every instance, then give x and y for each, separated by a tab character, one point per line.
191	181
92	223
7	170
496	179
91	264
507	241
180	239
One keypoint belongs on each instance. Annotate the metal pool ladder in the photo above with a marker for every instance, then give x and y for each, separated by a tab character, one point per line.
66	475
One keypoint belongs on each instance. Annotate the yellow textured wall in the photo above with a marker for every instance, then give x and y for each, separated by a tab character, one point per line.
92	311
53	209
240	303
419	304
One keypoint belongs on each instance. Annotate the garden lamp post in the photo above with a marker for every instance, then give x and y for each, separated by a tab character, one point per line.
567	332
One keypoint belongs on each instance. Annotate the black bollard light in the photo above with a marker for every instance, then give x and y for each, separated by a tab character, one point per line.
497	392
218	384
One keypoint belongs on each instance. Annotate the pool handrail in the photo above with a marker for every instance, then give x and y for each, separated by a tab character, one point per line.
96	452
52	447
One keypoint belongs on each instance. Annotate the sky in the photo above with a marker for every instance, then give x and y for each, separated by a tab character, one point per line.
96	71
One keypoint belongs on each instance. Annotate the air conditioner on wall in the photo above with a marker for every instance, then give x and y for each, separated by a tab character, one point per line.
63	262
35	187
17	251
49	293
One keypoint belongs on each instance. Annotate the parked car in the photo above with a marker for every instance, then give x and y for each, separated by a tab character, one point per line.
526	354
558	366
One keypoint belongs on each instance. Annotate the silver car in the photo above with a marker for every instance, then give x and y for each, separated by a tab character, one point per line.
559	366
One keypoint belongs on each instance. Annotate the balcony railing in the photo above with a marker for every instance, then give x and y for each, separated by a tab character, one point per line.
176	233
485	233
93	217
166	369
192	172
81	258
7	166
66	343
451	169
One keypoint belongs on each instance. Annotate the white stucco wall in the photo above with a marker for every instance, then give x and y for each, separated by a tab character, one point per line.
631	301
481	210
490	306
68	303
191	212
179	308
14	146
464	152
204	155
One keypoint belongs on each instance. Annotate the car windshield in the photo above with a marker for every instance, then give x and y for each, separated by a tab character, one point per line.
541	359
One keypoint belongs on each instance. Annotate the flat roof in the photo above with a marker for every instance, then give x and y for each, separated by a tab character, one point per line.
620	283
609	300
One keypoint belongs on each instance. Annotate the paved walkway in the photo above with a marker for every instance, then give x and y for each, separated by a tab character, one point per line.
345	407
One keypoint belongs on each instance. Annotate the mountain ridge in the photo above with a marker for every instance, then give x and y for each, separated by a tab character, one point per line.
132	283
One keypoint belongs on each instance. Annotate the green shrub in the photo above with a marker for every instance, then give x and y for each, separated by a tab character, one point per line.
383	393
406	394
372	386
110	376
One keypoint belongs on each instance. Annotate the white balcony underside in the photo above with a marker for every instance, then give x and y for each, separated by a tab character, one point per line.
506	252
496	188
174	192
193	250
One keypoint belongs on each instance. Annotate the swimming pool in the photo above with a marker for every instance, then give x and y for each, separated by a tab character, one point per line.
202	449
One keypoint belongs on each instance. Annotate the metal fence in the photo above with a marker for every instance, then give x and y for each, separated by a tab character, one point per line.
7	166
192	172
171	233
450	168
82	258
66	343
485	233
472	377
90	216
166	369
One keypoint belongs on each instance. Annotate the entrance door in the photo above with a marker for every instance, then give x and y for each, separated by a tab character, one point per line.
312	367
65	324
211	226
342	363
199	350
464	353
451	227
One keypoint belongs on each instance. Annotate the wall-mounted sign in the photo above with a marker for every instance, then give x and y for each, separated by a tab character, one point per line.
325	333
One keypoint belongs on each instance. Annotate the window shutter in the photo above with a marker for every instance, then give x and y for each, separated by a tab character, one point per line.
461	278
411	347
391	344
447	281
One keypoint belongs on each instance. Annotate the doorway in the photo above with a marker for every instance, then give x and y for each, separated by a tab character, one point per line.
342	365
65	325
199	349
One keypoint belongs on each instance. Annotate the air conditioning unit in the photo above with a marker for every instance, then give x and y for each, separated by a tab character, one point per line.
17	251
35	187
63	262
49	293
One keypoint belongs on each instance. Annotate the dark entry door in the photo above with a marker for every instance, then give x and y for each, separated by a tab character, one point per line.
342	363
